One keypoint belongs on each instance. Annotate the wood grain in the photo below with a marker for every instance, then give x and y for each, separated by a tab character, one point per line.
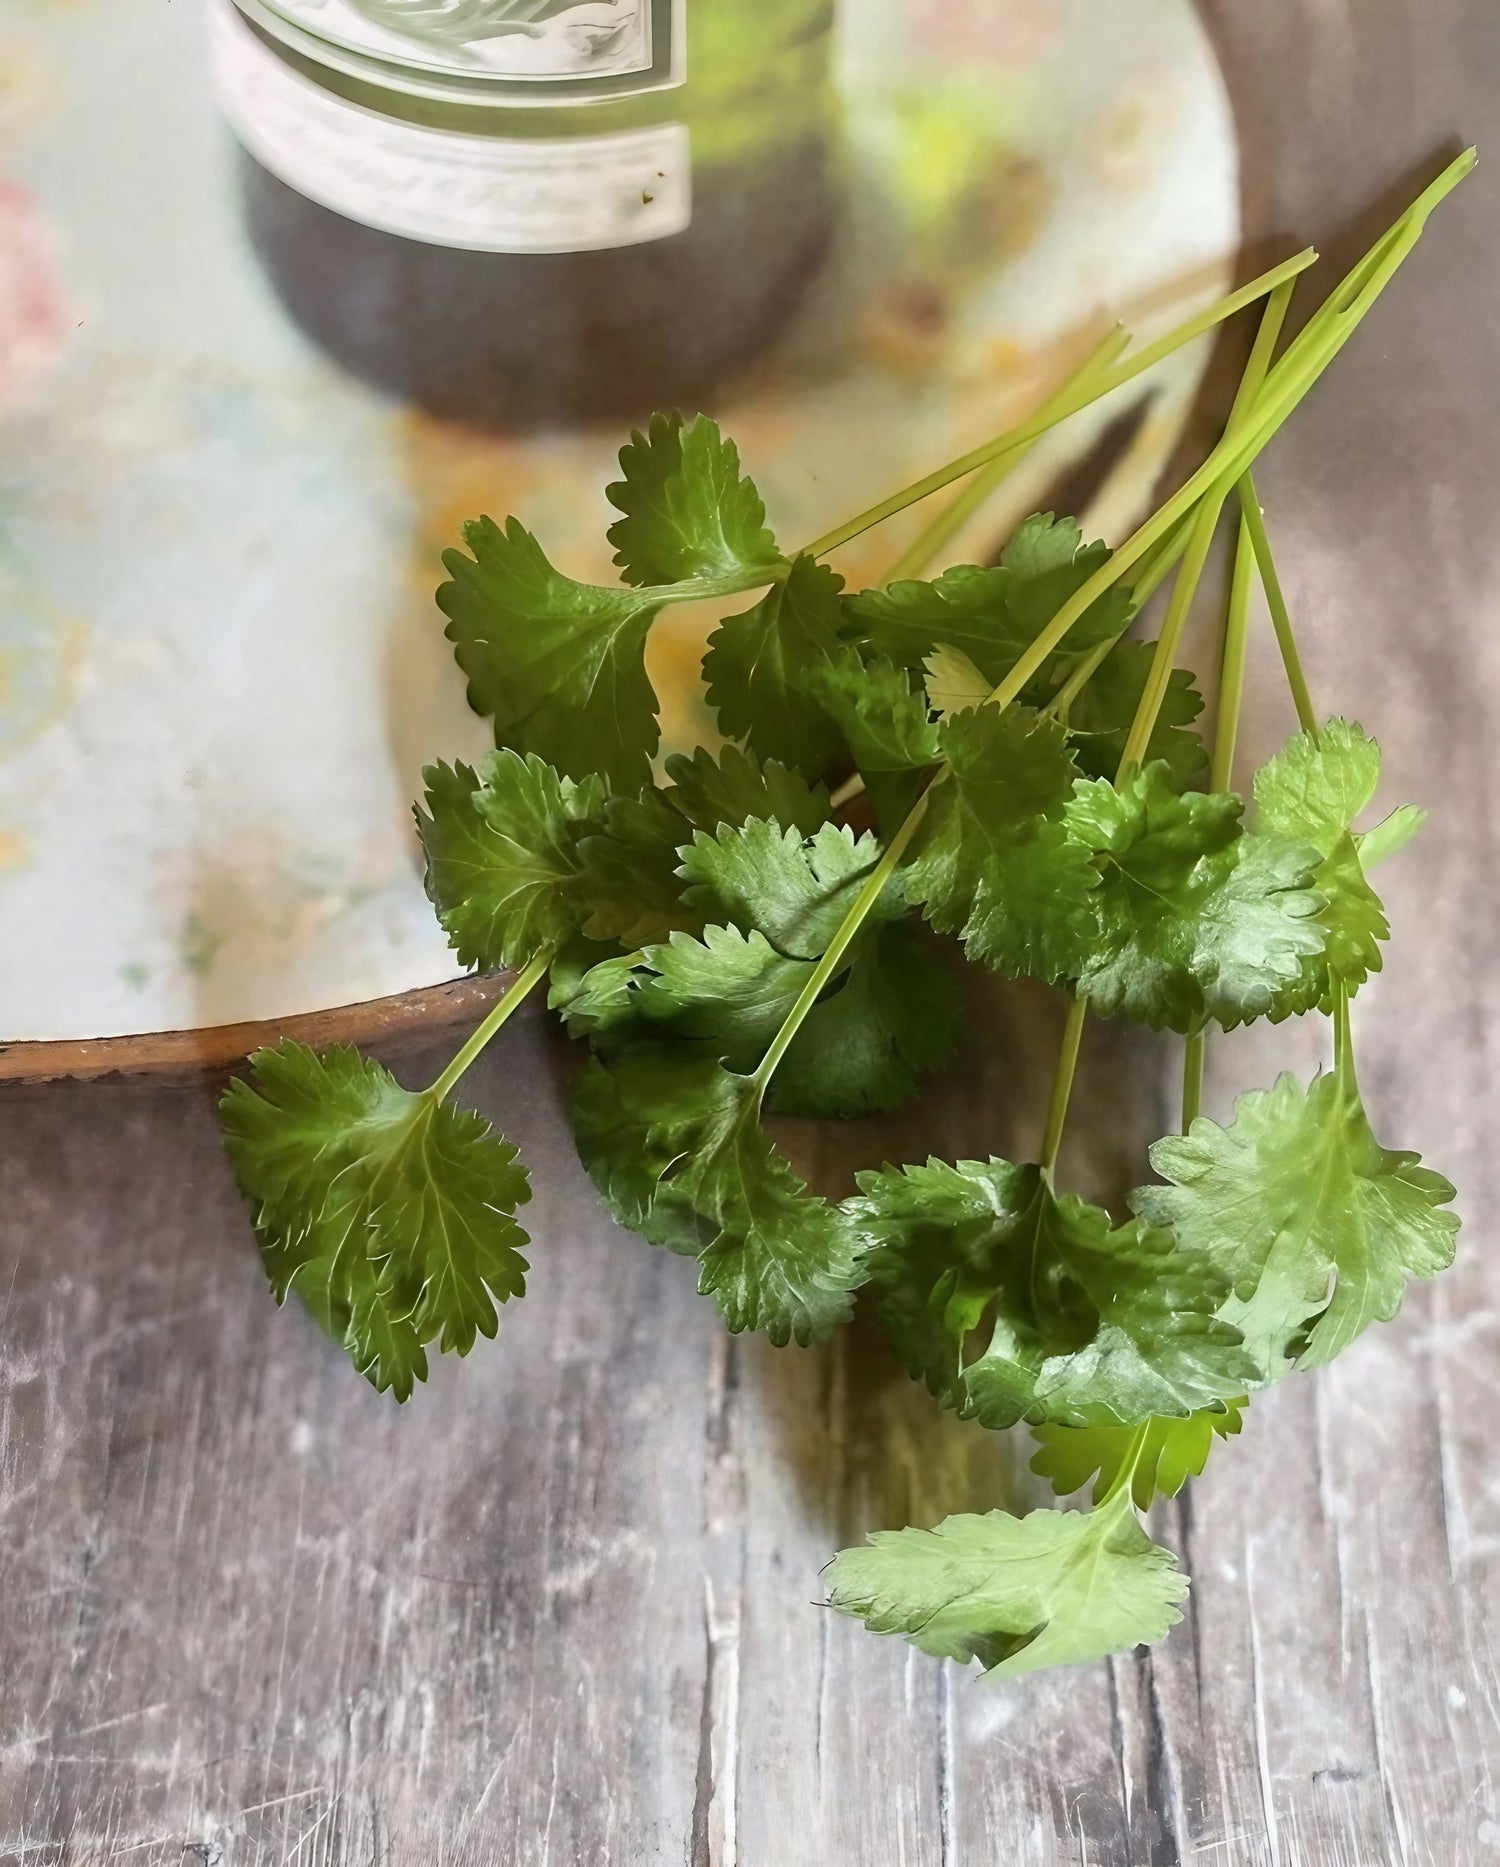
559	1610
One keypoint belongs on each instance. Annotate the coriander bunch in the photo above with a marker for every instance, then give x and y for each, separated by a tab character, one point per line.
726	942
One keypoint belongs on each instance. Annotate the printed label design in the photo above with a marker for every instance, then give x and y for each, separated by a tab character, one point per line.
489	194
602	46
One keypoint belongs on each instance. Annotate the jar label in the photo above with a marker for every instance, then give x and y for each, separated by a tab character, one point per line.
588	49
486	193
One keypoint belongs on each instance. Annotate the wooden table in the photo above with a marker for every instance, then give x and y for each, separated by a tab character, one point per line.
558	1609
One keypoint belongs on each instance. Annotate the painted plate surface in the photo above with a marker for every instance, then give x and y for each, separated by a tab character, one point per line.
221	669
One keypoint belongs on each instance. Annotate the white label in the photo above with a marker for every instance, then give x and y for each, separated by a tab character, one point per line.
537	39
489	194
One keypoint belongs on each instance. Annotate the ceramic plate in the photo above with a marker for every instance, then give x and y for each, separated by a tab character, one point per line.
221	668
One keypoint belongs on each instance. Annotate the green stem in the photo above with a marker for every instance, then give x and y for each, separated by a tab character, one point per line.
1158	567
1192	1078
1201	537
1286	640
1164	658
828	965
534	970
1224	466
1125	1476
1289	381
952	519
1062	1084
1343	1043
1232	661
1080	397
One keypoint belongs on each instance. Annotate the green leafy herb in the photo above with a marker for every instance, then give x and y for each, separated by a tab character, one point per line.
884	722
688	510
889	1014
1164	1453
559	666
502	855
391	1215
1312	792
1316	1225
993	860
629	866
1099	719
1015	1593
730	939
1015	1303
761	668
674	1143
953	683
1196	919
991	616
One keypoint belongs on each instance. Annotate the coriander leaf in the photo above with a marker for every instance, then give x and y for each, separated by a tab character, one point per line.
674	1144
390	1214
689	512
1050	563
560	666
760	668
727	993
883	719
1172	1452
1312	791
1390	835
953	683
1196	919
628	867
884	724
571	965
502	862
733	786
1016	1593
1316	1225
991	615
966	609
627	871
1099	719
888	1013
1014	1303
892	1015
796	890
992	860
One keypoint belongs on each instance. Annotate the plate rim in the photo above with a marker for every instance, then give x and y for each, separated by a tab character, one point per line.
397	1023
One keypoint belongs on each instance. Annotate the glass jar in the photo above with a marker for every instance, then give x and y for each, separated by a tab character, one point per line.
515	212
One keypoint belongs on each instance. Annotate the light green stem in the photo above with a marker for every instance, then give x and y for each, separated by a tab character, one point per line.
1062	1084
1343	1043
1281	621
1157	569
1221	768
1164	657
828	965
534	970
1290	380
1201	537
1192	1078
1080	397
1222	468
952	519
1232	661
1124	1478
